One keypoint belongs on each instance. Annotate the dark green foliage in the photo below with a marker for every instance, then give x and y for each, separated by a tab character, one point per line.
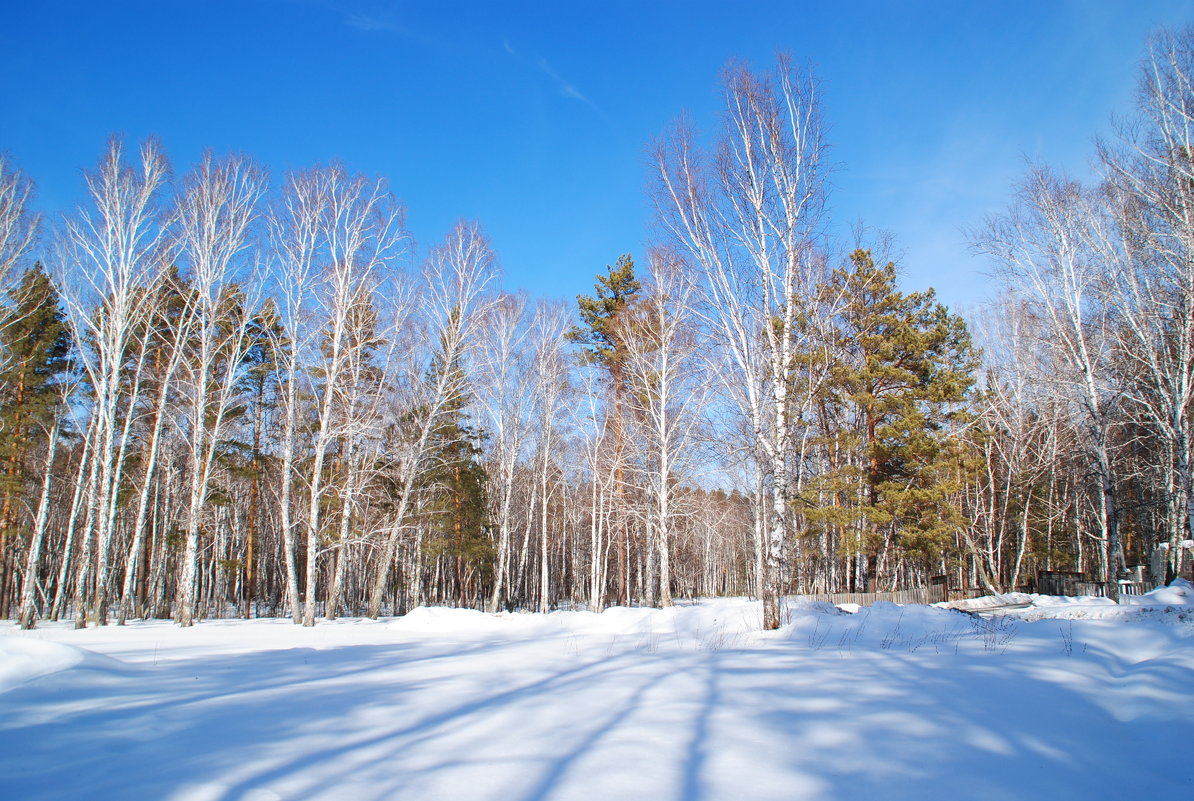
35	347
456	514
599	333
36	344
259	390
907	374
263	356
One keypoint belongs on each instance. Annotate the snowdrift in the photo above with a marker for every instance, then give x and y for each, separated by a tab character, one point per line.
1061	699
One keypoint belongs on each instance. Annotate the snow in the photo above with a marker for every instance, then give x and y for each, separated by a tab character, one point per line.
23	659
1176	599
1179	592
1061	699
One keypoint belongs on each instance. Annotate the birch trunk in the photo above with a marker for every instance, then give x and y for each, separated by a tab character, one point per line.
28	611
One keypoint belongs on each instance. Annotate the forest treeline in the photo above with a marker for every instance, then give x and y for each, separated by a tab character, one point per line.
223	396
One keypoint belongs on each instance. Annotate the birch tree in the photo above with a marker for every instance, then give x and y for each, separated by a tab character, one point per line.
1019	440
361	230
749	216
295	223
456	276
360	396
504	375
28	606
592	422
18	222
667	392
113	250
164	332
1043	247
550	386
1147	239
217	207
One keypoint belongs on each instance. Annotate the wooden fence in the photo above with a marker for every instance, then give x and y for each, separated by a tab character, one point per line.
1060	582
1053	582
918	595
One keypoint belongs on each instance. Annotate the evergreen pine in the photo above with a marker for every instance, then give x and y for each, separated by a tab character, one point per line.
599	335
908	378
602	337
35	343
35	349
456	513
262	389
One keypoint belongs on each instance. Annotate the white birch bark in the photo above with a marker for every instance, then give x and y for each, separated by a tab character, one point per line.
18	224
455	279
1148	243
295	223
749	217
361	231
216	211
28	605
113	250
667	397
178	332
1043	246
503	378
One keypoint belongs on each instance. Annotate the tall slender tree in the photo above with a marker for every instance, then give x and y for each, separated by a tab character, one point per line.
216	214
35	341
1043	246
602	336
667	393
115	248
452	302
749	215
907	370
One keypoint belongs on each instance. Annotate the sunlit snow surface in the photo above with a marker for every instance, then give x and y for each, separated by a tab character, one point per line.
1068	698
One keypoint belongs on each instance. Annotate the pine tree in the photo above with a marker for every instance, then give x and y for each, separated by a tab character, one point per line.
35	344
907	378
601	336
456	515
262	391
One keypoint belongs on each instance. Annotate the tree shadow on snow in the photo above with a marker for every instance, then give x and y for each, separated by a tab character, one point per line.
513	720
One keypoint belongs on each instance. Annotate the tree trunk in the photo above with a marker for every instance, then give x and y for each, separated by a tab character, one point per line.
28	590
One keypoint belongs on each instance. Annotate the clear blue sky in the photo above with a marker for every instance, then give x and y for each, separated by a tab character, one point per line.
533	117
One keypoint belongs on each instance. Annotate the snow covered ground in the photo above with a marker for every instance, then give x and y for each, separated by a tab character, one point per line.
1067	698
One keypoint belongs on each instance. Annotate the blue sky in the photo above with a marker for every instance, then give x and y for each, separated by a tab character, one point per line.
534	117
